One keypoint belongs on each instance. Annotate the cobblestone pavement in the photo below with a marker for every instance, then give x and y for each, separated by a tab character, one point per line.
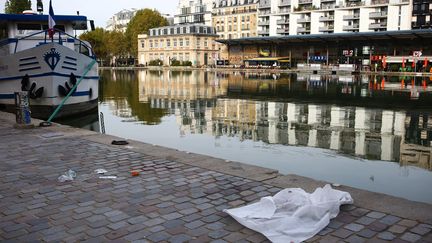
168	202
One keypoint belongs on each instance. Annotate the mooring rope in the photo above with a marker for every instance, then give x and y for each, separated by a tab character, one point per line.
71	91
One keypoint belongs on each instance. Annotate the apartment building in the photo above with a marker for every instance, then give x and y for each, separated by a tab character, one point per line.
188	42
120	20
299	17
194	12
422	14
234	19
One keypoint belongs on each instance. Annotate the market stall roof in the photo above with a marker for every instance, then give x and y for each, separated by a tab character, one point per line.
420	34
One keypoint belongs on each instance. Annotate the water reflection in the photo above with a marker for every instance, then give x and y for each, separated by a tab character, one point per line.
307	124
370	133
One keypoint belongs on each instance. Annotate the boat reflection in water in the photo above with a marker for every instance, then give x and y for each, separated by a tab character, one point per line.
334	128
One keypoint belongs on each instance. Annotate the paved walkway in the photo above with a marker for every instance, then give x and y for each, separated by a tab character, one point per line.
169	202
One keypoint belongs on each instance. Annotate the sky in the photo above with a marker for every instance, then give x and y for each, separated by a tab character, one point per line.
101	10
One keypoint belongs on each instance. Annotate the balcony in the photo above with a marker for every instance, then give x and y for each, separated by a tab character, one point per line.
283	11
400	1
326	18
304	20
303	30
354	4
305	2
328	28
351	27
378	15
264	4
283	3
376	2
351	17
263	23
374	26
282	31
327	1
264	12
282	21
263	32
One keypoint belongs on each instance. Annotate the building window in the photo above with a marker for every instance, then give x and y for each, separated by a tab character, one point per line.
181	42
142	44
198	44
168	42
205	42
175	42
151	44
156	44
187	42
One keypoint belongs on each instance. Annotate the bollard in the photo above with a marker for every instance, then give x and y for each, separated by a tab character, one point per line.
23	114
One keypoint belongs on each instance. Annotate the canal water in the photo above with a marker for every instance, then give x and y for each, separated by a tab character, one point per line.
368	132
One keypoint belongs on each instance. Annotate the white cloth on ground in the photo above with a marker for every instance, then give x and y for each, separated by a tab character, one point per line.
292	215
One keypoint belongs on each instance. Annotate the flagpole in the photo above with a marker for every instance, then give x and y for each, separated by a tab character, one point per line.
51	22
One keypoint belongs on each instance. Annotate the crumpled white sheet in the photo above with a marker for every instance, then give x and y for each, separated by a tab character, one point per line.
292	215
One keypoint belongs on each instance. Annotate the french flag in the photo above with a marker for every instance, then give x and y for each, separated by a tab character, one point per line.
51	21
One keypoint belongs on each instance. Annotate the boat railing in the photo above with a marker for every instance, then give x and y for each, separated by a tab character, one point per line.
59	40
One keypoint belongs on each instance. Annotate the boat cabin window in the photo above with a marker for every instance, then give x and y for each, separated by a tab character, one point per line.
3	31
59	27
27	26
82	49
24	28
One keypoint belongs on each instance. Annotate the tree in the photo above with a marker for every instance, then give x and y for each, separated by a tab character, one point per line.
97	38
17	6
116	44
143	20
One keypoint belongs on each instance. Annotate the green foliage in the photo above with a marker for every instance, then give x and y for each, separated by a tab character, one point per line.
97	38
144	20
299	8
116	43
106	44
175	63
17	6
187	63
156	62
181	63
394	67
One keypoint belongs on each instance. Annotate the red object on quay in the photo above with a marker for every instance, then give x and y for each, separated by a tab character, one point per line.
134	173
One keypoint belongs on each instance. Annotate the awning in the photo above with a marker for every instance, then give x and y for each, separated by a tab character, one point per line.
384	36
398	59
269	59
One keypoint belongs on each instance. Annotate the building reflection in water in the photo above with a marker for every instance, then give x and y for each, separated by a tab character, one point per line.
288	110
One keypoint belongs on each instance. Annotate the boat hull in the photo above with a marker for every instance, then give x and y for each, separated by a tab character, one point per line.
44	112
52	70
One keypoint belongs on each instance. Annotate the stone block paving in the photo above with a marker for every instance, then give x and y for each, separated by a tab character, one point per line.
167	202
